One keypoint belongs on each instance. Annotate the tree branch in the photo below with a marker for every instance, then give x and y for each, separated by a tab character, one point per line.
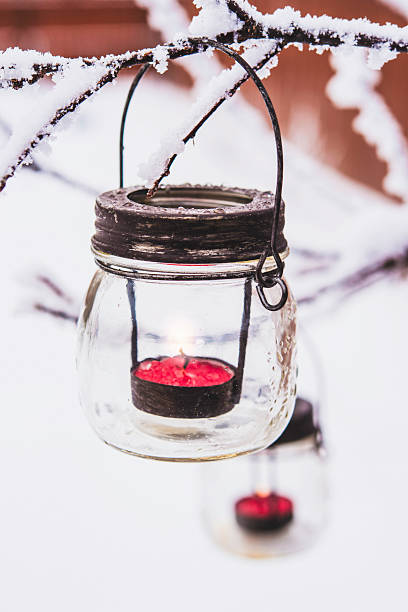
289	25
63	308
284	24
227	94
361	278
58	314
45	130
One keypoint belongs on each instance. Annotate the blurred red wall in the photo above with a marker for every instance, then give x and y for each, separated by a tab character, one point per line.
74	27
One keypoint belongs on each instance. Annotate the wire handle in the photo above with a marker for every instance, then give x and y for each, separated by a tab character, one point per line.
264	279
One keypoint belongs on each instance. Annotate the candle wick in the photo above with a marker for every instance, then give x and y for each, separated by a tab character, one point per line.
186	359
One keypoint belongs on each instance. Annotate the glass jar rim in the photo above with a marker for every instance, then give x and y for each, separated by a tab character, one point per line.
151	270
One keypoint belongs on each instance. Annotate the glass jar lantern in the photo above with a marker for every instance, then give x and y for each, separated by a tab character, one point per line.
178	359
273	502
187	338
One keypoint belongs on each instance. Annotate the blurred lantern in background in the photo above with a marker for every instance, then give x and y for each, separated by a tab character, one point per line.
273	502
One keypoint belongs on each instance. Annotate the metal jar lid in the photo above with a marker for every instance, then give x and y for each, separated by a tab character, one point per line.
186	224
302	424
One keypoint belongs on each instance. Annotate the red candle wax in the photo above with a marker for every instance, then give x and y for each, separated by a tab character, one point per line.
263	512
182	371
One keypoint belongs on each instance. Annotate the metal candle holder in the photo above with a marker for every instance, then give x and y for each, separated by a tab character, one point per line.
189	402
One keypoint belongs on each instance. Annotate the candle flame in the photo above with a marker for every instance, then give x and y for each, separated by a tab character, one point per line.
262	492
181	336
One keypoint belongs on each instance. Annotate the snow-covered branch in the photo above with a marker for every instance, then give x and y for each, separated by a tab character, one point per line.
71	90
170	18
233	22
362	278
353	86
222	87
374	246
289	25
19	67
50	299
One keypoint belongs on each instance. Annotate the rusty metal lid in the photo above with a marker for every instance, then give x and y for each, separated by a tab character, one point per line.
186	224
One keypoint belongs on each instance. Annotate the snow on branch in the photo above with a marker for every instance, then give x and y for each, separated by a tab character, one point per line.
222	87
362	278
228	21
289	25
71	89
20	67
353	86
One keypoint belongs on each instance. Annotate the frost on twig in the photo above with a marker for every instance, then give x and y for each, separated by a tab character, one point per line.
228	21
353	86
374	245
289	24
221	88
19	67
51	299
70	90
172	21
35	166
362	278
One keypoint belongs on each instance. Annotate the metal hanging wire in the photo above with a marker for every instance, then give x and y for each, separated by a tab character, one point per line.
264	280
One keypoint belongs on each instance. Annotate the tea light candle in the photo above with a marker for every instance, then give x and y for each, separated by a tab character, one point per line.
182	371
262	513
183	386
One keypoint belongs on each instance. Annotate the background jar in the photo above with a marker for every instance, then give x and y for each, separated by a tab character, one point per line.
273	502
192	290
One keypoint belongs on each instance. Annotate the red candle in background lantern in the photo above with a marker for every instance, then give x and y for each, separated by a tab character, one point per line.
263	513
265	510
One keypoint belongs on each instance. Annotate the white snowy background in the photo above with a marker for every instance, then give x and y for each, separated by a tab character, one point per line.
83	527
86	528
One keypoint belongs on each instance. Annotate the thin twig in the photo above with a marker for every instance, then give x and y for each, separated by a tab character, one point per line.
308	30
228	94
295	29
318	30
361	278
59	114
59	314
35	166
54	288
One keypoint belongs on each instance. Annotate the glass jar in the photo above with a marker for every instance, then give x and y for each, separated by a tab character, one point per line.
177	358
273	502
